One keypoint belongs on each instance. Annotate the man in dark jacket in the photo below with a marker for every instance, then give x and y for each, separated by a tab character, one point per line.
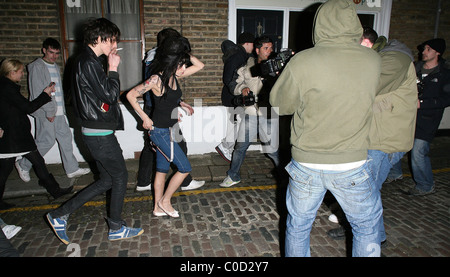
433	77
234	57
96	97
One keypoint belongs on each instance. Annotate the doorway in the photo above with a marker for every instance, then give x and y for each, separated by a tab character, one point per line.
261	22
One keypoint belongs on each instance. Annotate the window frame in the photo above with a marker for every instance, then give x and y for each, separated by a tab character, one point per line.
65	41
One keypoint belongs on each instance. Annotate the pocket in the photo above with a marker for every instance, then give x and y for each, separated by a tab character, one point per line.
299	183
356	187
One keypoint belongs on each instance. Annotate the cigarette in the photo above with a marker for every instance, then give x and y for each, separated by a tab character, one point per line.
118	49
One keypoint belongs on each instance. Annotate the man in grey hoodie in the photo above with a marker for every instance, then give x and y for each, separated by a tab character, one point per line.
51	123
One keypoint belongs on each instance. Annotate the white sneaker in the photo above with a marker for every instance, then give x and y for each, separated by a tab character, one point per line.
79	172
23	174
194	184
11	230
225	153
144	188
333	218
228	182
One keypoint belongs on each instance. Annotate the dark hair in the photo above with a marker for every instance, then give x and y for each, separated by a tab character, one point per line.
100	27
165	33
52	43
370	34
173	52
259	41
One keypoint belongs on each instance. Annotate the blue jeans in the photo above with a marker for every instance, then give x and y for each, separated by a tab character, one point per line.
353	189
106	152
380	165
396	171
421	166
249	128
161	138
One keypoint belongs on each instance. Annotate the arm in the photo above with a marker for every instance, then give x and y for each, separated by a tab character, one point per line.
284	93
38	81
196	66
138	91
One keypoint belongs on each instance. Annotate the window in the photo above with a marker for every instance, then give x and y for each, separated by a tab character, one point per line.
126	14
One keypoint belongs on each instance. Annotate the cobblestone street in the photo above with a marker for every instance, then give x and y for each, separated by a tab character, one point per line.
246	220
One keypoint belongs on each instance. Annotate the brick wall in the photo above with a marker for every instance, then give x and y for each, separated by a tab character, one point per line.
24	24
413	22
205	24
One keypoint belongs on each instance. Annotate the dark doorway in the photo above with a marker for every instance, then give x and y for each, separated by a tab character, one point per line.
258	22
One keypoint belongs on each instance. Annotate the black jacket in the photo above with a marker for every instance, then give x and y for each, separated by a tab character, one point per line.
96	94
14	121
434	95
234	57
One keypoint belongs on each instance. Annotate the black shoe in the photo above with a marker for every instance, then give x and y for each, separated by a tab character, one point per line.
416	192
337	233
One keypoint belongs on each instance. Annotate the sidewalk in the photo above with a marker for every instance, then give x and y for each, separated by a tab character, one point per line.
246	220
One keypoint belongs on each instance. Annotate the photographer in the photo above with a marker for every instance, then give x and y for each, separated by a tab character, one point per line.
257	115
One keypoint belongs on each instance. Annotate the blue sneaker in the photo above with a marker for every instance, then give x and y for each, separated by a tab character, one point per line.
124	233
59	227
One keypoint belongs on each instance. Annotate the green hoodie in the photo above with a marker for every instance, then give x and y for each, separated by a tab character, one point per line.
330	90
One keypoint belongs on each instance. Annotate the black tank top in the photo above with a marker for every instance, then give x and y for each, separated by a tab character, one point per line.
165	113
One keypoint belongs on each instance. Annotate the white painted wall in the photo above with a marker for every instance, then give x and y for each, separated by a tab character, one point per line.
203	132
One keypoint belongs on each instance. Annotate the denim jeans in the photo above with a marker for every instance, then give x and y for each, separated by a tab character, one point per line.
106	152
249	128
147	158
161	138
421	166
396	171
380	165
353	189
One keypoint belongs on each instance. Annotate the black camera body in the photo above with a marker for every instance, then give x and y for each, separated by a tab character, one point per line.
274	65
243	101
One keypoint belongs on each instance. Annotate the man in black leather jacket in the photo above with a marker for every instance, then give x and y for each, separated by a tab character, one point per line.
96	97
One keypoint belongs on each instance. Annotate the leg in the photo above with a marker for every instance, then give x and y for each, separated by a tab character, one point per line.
64	138
361	202
6	166
421	166
45	139
303	198
247	134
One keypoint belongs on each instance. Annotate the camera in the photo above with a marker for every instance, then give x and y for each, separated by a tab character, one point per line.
242	101
274	65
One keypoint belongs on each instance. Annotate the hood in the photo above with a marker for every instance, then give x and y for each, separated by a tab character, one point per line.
336	21
395	45
229	48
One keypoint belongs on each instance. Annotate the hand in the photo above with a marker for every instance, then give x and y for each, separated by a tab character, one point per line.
1	132
50	89
51	119
187	108
245	91
147	124
113	60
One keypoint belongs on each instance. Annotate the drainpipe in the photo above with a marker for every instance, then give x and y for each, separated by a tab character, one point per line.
438	13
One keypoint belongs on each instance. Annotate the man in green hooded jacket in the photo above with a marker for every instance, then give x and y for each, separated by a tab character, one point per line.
394	111
330	90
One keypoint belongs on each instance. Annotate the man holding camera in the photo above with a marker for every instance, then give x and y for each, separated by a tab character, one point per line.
258	115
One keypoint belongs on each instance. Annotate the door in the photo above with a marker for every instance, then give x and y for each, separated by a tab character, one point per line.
261	22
